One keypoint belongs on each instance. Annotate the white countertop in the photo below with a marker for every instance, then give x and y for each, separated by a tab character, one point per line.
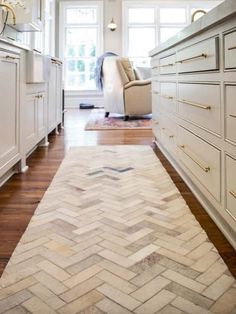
24	47
14	43
216	16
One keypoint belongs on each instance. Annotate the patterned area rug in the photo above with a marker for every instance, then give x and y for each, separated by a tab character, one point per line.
116	122
113	235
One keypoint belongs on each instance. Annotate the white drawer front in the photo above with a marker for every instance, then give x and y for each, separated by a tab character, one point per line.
156	126
203	56
200	104
230	96
155	86
230	50
231	185
167	97
168	130
155	71
168	65
155	96
202	160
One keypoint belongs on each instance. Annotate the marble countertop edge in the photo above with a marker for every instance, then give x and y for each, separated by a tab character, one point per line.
216	16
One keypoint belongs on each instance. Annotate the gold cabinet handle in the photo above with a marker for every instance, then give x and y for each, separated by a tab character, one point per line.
204	168
166	65
194	104
56	62
233	193
167	97
202	55
232	48
169	135
232	115
12	58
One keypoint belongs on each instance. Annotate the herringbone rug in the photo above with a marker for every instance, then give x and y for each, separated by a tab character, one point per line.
113	235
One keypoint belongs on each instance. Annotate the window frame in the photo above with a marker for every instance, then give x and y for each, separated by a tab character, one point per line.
64	5
157	5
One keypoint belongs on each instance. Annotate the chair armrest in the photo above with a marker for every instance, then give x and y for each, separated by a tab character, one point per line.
138	83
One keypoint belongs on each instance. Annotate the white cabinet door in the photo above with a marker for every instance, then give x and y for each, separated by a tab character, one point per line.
30	122
29	19
9	110
41	116
59	94
52	113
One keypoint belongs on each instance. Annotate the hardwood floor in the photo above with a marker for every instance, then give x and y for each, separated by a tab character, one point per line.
21	194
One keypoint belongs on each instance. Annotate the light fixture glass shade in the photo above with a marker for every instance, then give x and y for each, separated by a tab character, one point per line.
112	25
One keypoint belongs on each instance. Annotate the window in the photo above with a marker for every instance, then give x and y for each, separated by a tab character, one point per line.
49	28
148	23
82	43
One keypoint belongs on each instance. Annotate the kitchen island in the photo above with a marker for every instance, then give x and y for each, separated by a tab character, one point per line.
194	110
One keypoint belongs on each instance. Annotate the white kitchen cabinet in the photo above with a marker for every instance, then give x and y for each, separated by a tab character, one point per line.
9	110
200	62
29	19
55	96
34	120
59	94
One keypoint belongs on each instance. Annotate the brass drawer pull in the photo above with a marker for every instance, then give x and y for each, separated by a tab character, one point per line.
232	115
167	97
12	58
232	48
233	193
204	168
194	104
166	65
169	135
202	55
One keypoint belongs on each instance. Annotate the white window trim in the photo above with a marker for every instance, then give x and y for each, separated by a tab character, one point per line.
62	10
189	4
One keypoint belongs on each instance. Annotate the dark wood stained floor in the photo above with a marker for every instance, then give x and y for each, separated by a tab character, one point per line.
20	196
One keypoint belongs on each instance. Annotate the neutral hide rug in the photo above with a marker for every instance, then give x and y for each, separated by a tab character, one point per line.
113	234
97	121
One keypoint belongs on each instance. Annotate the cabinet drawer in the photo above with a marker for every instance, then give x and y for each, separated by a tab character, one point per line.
168	130
230	96
203	56
167	97
231	186
155	87
154	66
168	65
156	125
202	160
200	104
230	50
155	96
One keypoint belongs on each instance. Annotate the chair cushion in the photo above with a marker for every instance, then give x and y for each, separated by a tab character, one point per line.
126	64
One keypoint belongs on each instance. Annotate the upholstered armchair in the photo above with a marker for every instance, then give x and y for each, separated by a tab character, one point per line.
124	92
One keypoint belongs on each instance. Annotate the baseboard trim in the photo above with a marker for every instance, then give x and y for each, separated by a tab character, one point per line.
73	102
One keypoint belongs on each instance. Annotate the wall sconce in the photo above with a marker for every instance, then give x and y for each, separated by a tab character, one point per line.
112	25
